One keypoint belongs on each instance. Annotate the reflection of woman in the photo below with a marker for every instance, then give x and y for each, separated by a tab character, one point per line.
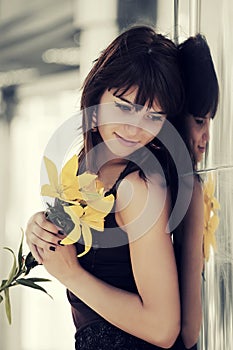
124	296
201	88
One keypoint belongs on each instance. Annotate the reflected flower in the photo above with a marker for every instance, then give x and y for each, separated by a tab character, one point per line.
211	219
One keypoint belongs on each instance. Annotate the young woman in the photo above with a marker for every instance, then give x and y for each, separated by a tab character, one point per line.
201	88
124	292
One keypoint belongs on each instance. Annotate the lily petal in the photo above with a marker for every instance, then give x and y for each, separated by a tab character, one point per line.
85	180
214	222
49	191
215	204
87	237
71	192
69	170
68	180
52	172
103	204
73	236
75	212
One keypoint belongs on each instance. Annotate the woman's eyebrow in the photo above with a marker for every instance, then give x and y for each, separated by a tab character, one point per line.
134	105
125	100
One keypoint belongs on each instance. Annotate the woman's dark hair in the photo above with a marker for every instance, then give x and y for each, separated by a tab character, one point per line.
137	57
200	83
200	80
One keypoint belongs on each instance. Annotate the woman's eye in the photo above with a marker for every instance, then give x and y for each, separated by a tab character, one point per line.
154	117
199	121
123	107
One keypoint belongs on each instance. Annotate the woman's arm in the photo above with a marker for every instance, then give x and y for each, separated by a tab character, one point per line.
154	315
191	266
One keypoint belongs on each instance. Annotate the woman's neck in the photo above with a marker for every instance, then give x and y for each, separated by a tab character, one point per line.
109	173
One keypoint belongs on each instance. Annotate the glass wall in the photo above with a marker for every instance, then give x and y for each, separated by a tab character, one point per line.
213	19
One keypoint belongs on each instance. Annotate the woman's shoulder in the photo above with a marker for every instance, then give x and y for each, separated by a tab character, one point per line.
140	201
197	189
135	186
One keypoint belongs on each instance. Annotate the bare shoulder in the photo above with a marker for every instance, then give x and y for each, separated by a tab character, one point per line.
141	203
135	186
197	195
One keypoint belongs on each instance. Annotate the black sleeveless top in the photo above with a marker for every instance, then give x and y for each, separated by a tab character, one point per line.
108	260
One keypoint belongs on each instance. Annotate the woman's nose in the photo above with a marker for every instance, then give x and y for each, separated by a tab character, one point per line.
131	129
206	134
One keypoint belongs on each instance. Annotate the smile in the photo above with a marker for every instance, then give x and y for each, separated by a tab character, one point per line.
201	149
125	142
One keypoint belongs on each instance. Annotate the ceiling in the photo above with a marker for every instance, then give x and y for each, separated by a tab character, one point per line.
29	28
26	36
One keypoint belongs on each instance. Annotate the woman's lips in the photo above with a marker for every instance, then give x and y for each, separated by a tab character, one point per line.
125	142
202	149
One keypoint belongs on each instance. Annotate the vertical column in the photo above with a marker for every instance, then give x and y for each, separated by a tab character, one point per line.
165	17
176	21
194	17
97	21
215	22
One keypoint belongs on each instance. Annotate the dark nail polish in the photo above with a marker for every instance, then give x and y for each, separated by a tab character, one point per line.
52	248
61	233
59	242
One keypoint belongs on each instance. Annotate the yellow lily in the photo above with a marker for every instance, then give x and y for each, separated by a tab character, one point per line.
84	219
80	228
211	219
67	187
85	193
93	194
96	211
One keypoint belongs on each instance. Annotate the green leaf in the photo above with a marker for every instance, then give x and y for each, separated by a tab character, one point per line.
1	298
7	304
28	283
14	269
37	279
3	283
20	253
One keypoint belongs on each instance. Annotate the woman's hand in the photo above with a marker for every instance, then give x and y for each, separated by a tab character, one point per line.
41	233
62	263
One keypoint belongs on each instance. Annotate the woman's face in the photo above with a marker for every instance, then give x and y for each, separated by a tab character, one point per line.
124	126
198	135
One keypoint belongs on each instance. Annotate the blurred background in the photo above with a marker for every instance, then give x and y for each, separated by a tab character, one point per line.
46	49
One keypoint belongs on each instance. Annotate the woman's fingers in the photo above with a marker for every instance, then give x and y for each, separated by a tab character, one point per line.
41	221
41	233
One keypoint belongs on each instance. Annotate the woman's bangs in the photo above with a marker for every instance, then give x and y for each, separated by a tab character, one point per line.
144	83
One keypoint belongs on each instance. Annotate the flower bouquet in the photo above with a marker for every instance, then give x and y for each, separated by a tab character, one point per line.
78	205
79	202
